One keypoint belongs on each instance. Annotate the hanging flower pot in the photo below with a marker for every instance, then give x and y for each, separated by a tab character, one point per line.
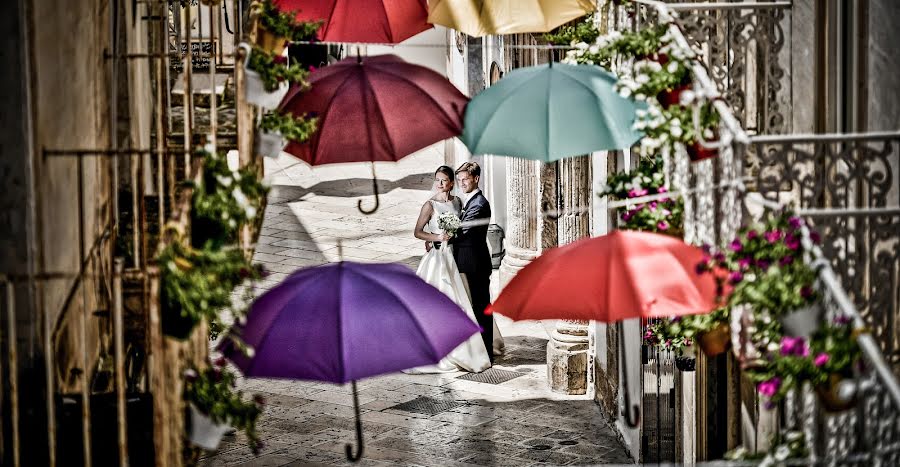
270	42
716	340
255	91
670	97
697	152
204	432
174	324
838	394
687	361
803	322
269	144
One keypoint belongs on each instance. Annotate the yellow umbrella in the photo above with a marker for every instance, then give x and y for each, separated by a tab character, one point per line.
483	17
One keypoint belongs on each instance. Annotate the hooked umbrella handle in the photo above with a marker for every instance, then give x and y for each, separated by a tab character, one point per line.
374	189
359	434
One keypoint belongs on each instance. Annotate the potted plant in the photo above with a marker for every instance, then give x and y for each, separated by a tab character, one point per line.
711	331
215	405
836	357
666	334
268	77
660	216
278	28
275	129
197	285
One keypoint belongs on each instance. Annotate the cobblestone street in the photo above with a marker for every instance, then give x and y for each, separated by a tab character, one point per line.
508	418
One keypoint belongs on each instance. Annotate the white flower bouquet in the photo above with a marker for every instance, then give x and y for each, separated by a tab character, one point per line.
449	223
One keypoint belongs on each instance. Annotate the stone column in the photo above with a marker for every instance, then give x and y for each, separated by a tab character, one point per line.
568	350
522	224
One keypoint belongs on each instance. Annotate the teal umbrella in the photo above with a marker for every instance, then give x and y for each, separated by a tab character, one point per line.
549	112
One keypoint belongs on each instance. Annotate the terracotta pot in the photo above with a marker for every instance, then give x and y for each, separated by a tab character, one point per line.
697	152
838	394
204	432
671	97
270	42
716	340
803	322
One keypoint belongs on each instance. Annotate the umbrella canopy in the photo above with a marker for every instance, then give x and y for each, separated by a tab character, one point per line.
345	321
378	109
378	21
483	17
619	276
549	112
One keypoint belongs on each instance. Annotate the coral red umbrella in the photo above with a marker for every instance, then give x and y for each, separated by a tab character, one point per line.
378	21
378	108
619	276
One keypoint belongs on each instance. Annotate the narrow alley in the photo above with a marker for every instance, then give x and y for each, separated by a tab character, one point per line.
503	416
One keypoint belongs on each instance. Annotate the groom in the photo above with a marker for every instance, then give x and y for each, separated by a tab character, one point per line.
470	250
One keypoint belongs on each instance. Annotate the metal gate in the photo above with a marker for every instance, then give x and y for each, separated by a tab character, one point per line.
657	403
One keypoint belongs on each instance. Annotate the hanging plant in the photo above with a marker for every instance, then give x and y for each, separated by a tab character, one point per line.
298	129
570	34
215	403
273	70
278	28
661	216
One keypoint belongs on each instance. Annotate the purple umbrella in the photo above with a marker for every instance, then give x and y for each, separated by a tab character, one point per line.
345	321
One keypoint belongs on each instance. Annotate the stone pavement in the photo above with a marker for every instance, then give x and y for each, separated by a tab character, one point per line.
441	420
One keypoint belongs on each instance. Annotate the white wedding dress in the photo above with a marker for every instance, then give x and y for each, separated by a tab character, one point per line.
438	268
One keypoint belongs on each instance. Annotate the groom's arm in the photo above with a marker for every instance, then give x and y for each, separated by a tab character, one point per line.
474	217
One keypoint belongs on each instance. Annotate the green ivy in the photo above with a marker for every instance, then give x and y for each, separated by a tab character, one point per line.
567	34
274	70
285	24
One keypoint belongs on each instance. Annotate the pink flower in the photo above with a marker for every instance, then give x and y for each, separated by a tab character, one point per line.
770	387
636	193
814	236
662	189
628	215
762	264
736	245
792	241
786	260
842	320
662	225
735	277
652	206
312	68
666	212
773	236
794	346
806	291
821	359
279	60
744	263
795	222
752	234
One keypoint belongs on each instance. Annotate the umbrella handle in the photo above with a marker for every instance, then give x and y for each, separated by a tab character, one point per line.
359	434
631	411
375	189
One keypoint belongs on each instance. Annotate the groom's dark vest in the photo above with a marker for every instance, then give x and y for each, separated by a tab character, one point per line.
470	247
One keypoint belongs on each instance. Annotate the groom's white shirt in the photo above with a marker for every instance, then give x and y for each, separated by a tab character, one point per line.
467	196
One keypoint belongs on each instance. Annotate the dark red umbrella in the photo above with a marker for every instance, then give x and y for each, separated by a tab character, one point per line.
378	21
371	109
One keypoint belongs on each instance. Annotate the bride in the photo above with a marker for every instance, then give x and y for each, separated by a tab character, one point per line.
438	268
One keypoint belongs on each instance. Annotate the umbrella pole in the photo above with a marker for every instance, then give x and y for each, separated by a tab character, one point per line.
359	434
631	411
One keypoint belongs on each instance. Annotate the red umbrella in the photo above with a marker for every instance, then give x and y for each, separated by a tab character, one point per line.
619	276
378	21
378	108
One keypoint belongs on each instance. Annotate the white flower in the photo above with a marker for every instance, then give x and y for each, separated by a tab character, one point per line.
657	176
594	49
782	453
232	223
708	134
640	113
210	148
249	352
640	96
624	91
250	212
793	436
224	181
190	373
581	46
642	79
672	67
687	97
772	347
240	197
676	131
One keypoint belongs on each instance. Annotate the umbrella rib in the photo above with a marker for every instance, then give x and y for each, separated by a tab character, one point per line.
405	307
327	25
340	317
380	113
416	87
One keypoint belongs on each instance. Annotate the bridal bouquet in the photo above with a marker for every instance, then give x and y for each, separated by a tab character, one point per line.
449	222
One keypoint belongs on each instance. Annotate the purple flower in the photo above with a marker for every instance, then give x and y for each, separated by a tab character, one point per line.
744	263
792	241
842	320
736	245
636	193
770	387
762	264
719	257
752	234
814	236
773	236
662	189
786	260
795	222
662	225
666	212
821	359
706	248
627	215
652	205
735	277
794	346
806	291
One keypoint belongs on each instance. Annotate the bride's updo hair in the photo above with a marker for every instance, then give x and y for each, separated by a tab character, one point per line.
446	171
